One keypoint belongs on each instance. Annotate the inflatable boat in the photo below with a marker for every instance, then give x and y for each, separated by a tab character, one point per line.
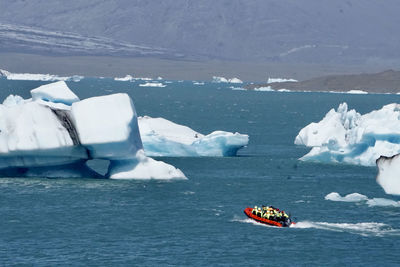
282	223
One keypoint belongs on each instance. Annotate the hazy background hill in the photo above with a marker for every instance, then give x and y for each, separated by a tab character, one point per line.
338	33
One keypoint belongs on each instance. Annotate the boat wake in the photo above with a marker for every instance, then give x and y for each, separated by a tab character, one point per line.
363	228
247	220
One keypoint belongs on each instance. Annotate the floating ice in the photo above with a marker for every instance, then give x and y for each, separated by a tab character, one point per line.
152	84
349	137
357	92
130	78
383	202
235	80
280	80
217	79
354	197
127	78
162	137
43	138
237	88
389	174
38	77
264	89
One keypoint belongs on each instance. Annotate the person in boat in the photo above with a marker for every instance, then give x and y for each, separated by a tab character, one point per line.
254	211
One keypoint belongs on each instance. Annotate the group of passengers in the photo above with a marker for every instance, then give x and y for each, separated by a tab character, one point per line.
270	213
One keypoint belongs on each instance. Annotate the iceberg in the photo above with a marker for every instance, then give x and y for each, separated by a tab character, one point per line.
218	79
235	80
127	78
280	80
130	78
54	134
38	77
357	92
389	174
162	137
354	197
264	89
345	136
152	84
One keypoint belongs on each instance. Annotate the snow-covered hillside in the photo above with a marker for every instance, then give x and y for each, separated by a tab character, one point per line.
317	31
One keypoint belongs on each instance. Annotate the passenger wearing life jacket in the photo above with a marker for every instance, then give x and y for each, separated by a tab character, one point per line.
254	211
259	213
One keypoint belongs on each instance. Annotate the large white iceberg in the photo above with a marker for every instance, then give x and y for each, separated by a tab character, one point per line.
38	77
54	134
349	137
162	137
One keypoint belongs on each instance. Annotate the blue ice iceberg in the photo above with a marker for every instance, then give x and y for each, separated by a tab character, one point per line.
162	137
345	136
54	135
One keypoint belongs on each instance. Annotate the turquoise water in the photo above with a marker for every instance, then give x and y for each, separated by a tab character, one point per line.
200	221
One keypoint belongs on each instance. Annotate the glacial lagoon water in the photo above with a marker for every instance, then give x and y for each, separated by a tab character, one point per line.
200	221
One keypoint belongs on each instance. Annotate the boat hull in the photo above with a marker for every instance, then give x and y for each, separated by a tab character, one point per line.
248	212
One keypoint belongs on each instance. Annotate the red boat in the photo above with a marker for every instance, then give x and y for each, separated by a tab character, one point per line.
249	213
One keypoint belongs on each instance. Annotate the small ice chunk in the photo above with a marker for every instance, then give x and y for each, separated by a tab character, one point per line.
235	80
357	92
152	84
280	80
127	78
383	202
354	197
142	167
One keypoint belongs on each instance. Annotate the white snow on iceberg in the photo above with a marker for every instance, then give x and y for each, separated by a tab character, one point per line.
52	139
57	92
349	137
389	174
38	77
162	137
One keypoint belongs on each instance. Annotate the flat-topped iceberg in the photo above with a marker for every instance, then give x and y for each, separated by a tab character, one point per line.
162	137
38	77
349	137
54	134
